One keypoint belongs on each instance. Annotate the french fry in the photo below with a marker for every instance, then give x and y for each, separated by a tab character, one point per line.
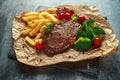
26	31
51	10
42	29
29	23
38	40
49	16
38	21
38	36
34	23
41	17
46	20
31	14
27	27
55	15
30	41
29	18
36	29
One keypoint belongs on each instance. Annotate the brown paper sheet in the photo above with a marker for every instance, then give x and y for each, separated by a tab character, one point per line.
28	55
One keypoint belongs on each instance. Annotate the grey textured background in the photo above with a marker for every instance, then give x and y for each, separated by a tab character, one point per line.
109	67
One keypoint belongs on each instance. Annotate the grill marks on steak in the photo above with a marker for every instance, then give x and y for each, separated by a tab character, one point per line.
61	37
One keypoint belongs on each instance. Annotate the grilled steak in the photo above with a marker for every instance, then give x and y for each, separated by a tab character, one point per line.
61	38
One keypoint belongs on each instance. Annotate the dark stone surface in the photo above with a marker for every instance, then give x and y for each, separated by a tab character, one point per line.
107	68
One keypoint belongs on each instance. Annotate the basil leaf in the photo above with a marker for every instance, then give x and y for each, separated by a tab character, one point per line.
49	27
75	17
90	23
98	30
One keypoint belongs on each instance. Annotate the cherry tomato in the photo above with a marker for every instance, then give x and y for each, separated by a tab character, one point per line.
71	12
97	42
58	11
64	13
60	16
66	9
81	19
39	45
67	16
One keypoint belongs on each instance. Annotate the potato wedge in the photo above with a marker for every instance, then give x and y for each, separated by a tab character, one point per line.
30	41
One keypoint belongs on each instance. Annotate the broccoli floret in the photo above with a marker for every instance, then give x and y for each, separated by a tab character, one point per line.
84	25
82	43
88	24
80	33
88	33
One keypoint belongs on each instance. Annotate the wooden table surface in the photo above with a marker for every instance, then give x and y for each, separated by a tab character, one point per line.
109	67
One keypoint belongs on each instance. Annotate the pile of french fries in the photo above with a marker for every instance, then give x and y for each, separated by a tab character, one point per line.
35	20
